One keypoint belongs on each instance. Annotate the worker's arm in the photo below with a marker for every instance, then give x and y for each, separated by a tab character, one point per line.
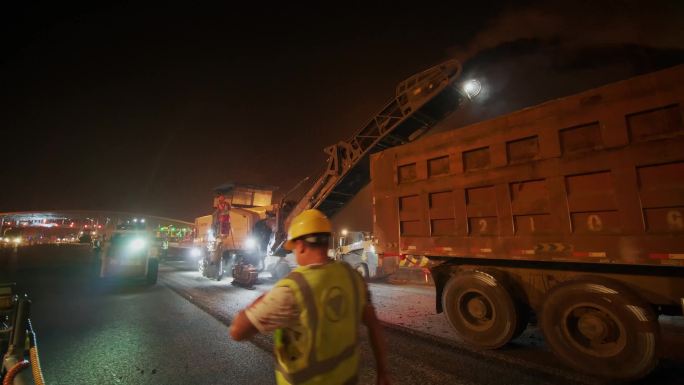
241	328
269	312
377	341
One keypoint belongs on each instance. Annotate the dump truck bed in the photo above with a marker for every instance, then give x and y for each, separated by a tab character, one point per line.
596	177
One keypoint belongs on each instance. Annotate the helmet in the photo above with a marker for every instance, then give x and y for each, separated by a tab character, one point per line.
308	222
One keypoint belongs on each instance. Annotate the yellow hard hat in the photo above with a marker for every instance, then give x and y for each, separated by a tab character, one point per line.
308	222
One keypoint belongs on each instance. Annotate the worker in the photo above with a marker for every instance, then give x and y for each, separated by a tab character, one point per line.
315	313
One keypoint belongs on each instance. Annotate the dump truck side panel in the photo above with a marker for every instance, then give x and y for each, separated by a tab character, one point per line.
595	177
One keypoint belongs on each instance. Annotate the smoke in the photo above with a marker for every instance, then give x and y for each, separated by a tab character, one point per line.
527	56
578	24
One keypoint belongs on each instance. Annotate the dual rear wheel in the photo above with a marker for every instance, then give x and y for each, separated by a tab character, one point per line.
593	324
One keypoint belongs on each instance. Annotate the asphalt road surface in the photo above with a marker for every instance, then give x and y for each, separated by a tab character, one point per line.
127	333
176	332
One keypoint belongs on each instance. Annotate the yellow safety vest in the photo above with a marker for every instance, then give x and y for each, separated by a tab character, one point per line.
323	348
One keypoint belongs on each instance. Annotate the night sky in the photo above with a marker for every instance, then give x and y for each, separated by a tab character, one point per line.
147	108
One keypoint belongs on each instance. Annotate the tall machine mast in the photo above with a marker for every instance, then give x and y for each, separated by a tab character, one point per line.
420	102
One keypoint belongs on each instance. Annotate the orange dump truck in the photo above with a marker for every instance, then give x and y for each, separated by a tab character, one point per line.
572	209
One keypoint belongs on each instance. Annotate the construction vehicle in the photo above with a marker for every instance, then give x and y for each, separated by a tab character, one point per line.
226	240
129	252
572	209
357	248
20	363
418	104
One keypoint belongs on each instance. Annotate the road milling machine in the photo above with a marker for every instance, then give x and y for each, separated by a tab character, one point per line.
255	230
233	238
419	103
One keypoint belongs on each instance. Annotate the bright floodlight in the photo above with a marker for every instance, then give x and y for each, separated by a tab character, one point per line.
472	88
250	243
195	252
137	244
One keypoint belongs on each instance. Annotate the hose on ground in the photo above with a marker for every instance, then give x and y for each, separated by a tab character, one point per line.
33	356
14	370
35	366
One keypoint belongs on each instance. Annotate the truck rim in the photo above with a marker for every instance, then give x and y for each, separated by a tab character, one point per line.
594	330
477	310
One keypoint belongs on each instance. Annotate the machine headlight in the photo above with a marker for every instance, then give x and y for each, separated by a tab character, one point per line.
195	252
250	243
472	88
17	240
138	244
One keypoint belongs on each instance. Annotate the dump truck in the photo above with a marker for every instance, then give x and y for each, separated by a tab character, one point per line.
572	210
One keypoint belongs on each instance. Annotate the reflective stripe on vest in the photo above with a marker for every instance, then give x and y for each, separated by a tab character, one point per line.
345	362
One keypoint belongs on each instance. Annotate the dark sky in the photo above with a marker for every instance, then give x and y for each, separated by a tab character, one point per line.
146	108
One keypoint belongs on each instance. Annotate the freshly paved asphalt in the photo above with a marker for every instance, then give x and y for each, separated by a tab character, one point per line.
176	332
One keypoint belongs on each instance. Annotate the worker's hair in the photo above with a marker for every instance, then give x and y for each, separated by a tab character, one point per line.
317	241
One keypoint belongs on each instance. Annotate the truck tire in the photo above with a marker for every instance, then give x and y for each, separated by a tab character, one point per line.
481	308
152	271
600	327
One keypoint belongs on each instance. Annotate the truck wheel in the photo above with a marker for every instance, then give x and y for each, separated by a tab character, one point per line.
600	327
152	271
362	269
481	309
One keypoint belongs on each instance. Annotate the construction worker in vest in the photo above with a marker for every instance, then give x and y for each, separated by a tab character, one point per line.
315	313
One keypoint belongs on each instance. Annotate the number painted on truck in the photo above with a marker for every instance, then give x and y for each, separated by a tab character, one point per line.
594	223
675	220
483	225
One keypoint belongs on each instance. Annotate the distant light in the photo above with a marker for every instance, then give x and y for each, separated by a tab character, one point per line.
135	220
195	252
472	88
17	240
142	220
344	232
